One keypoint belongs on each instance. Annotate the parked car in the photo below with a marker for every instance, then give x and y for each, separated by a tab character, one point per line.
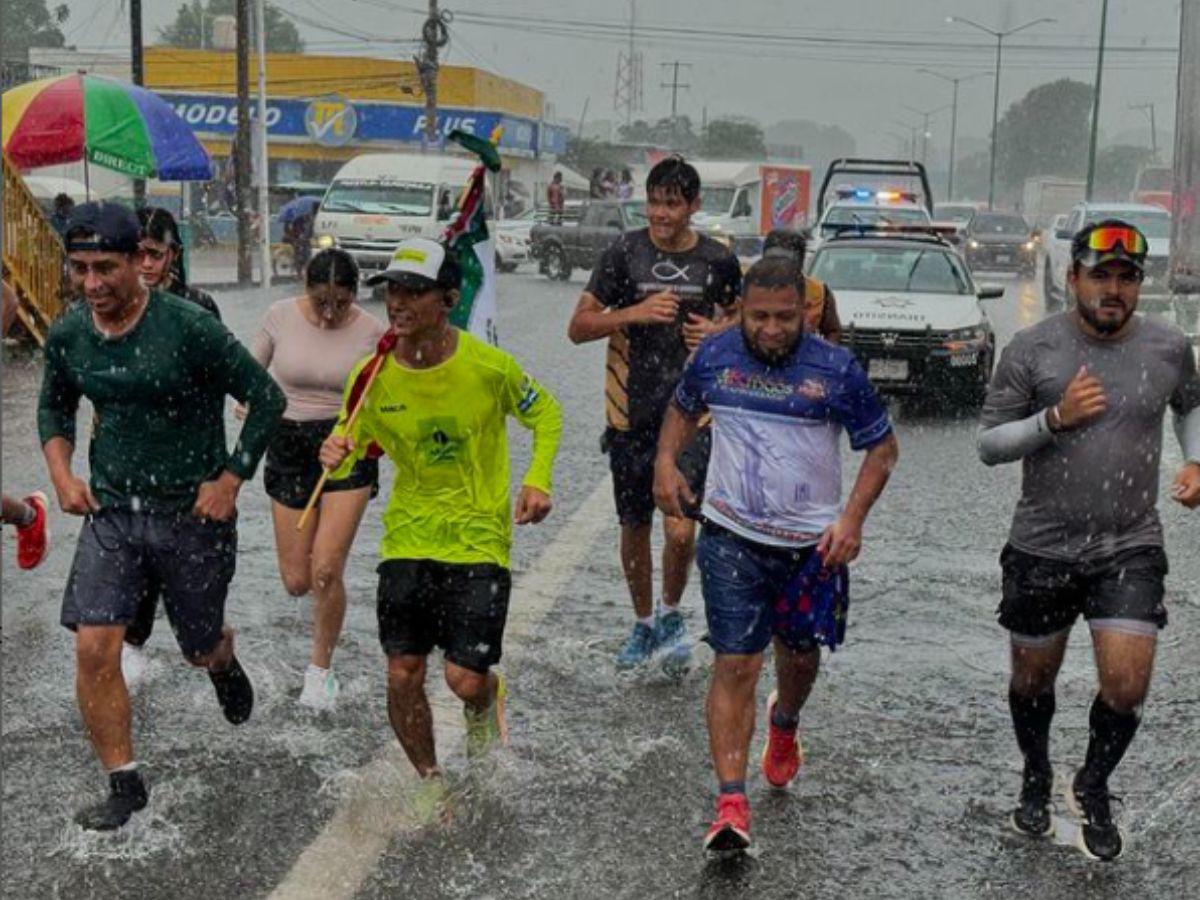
559	249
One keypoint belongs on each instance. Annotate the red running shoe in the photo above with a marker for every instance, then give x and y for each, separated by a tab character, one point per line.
33	541
730	832
782	756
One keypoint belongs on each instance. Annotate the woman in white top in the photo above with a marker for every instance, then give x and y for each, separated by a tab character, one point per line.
309	344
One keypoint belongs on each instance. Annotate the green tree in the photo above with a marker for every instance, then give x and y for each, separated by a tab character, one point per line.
672	134
185	31
585	154
1117	167
733	137
1044	133
30	23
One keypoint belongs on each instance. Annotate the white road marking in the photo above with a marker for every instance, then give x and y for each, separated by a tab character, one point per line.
347	851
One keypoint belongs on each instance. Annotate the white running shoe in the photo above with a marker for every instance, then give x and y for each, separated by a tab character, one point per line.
134	666
321	689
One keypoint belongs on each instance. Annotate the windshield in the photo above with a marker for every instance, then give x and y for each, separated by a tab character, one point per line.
873	215
1156	180
895	269
716	201
1151	224
394	198
953	213
989	223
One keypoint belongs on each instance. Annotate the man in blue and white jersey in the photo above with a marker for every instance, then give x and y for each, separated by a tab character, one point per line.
776	539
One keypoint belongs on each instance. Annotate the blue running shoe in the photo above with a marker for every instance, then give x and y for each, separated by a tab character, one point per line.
638	648
672	638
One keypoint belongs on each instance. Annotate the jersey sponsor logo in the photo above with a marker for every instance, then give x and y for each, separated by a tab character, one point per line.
529	395
440	442
812	389
393	408
758	385
665	270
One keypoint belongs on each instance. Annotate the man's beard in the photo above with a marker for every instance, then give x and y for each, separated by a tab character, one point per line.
770	357
1089	315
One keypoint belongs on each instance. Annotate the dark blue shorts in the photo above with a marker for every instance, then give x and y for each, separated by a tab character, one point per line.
751	595
123	555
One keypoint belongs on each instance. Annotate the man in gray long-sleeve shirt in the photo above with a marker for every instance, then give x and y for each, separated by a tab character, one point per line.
1080	398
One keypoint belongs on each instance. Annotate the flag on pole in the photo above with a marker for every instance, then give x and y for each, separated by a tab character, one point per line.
468	238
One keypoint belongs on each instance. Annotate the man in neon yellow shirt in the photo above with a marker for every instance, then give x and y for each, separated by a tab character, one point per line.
438	409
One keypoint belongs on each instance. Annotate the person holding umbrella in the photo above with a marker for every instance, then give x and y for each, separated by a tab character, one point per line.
296	216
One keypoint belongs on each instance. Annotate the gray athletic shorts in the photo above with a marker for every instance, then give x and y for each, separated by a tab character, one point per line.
122	554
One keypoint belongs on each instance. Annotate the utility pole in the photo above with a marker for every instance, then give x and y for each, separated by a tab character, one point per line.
675	84
435	36
1091	168
241	145
1148	108
137	64
953	120
264	200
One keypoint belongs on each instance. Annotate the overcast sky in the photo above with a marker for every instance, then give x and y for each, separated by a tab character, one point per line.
850	62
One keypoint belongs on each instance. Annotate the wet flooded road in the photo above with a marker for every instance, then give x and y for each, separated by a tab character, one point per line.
606	789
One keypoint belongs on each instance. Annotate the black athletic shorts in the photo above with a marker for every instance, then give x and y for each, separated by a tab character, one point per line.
121	555
1043	596
631	458
293	467
460	607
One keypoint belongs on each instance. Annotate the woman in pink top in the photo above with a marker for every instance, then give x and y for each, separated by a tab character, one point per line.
309	344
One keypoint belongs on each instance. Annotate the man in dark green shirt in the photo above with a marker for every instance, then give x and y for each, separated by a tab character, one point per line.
161	506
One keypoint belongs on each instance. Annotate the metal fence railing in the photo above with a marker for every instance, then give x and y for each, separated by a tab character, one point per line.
33	256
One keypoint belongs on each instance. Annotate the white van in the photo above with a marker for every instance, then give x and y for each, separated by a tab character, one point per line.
378	199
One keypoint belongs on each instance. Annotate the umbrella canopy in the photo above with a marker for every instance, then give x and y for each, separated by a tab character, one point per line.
294	209
118	126
48	187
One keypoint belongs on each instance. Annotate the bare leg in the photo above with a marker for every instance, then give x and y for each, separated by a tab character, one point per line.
638	568
294	548
795	674
679	549
1035	669
475	689
100	690
1124	663
409	712
341	513
731	713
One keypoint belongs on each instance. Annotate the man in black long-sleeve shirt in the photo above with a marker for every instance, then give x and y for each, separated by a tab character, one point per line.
162	501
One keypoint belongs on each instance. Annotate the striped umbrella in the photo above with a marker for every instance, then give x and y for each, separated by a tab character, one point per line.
118	126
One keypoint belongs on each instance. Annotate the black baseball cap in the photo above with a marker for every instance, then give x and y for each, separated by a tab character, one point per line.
1109	240
104	226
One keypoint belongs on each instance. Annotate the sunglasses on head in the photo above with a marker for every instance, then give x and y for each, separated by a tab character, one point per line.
1105	240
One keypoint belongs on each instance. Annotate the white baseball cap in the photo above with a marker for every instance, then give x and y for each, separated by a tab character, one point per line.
420	264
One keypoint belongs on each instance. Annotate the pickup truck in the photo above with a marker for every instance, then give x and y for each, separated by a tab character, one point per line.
559	249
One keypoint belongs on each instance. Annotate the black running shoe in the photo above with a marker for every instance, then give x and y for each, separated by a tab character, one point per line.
1099	836
234	692
1032	815
127	794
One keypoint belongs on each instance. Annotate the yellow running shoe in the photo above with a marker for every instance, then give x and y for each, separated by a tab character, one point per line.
486	729
429	802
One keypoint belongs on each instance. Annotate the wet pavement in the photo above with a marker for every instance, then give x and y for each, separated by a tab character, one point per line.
606	789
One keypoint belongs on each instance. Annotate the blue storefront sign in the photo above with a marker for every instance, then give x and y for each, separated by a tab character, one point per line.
335	121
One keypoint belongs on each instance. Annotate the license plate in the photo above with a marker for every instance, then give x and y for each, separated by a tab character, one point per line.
1003	258
888	369
963	359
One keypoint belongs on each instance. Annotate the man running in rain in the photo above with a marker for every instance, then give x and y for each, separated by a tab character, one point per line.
439	408
775	542
1079	398
654	296
161	507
